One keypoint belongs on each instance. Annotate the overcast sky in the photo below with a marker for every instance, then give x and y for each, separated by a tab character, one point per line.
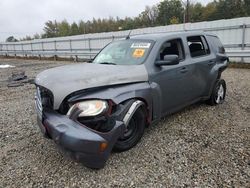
27	17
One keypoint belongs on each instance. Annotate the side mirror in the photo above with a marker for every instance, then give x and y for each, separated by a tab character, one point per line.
168	60
222	57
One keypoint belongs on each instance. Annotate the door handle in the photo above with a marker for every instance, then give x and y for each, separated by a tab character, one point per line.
184	70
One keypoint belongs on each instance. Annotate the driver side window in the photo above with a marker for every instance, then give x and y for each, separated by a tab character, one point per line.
172	47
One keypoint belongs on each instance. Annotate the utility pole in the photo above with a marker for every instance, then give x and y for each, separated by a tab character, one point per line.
187	11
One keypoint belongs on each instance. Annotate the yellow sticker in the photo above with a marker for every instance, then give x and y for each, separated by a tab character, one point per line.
138	53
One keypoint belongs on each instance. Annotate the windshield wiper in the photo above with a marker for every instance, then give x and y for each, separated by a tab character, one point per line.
107	63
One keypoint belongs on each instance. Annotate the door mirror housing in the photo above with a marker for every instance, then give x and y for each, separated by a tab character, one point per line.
222	57
168	60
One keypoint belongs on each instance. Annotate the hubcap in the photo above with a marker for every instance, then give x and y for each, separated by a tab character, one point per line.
220	94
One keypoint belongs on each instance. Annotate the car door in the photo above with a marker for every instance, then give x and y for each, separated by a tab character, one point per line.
174	80
203	62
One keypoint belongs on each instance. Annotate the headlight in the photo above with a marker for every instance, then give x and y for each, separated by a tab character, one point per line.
89	108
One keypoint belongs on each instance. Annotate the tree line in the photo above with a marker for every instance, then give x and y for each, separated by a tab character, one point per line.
164	13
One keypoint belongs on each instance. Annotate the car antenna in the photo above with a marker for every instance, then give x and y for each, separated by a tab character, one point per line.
128	37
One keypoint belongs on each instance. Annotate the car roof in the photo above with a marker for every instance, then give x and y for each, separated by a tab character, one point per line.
162	35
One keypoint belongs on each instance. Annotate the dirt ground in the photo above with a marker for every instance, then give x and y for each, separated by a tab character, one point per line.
200	146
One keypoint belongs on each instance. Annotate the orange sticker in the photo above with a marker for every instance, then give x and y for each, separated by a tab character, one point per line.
138	53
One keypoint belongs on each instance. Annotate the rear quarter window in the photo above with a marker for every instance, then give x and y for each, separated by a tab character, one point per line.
217	45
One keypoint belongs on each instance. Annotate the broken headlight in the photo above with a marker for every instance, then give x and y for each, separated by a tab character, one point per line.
88	108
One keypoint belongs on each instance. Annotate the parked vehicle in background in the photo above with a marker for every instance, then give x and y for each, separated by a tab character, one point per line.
90	109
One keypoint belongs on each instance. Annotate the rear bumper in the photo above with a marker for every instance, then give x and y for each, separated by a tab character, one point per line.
82	143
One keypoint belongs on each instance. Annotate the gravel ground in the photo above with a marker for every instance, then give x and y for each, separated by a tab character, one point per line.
201	146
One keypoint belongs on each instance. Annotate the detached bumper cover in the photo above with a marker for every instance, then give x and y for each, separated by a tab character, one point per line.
82	142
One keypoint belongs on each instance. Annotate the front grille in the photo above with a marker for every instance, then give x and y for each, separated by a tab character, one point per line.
38	100
44	99
47	98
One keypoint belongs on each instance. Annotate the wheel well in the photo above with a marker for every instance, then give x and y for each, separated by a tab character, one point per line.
144	107
219	74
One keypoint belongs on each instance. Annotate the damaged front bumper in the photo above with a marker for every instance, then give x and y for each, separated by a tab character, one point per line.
86	145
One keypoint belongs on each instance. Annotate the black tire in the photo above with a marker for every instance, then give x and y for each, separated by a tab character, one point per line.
217	97
133	133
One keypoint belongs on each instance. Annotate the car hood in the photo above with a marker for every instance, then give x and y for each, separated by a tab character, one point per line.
64	80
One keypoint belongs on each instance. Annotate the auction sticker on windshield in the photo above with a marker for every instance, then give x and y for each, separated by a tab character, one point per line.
138	53
140	45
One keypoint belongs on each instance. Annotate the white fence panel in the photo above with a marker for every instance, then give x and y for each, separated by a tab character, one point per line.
234	34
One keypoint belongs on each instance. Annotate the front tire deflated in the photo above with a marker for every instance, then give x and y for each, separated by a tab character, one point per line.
133	132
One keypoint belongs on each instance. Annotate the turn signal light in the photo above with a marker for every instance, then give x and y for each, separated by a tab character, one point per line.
103	146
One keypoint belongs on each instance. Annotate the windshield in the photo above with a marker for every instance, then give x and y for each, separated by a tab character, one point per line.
124	52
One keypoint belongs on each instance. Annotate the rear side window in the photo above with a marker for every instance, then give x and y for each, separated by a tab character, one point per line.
217	44
198	46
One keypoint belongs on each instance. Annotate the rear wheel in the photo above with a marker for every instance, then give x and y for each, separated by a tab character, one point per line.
133	132
219	93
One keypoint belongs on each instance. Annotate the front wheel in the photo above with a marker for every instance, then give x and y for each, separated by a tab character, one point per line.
133	132
219	93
